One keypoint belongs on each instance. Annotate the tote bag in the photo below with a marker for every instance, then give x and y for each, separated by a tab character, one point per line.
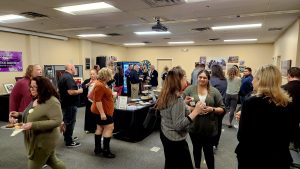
152	120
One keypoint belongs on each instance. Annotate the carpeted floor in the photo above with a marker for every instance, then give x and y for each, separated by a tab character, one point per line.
128	155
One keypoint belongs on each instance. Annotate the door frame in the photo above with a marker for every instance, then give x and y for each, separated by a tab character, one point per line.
157	59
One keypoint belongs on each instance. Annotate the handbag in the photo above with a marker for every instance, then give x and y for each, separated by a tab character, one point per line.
152	120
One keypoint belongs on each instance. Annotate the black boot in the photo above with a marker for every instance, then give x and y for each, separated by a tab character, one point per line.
98	149
106	149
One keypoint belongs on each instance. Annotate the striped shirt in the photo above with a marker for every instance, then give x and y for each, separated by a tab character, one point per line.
174	122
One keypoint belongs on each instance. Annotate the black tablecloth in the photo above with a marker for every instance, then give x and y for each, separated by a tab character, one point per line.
129	124
4	107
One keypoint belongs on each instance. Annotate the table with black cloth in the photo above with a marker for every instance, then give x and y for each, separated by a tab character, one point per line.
4	107
128	124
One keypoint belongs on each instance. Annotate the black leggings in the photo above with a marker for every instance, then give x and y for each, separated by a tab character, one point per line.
177	154
206	143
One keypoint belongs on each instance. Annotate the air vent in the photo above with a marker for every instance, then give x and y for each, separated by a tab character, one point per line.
214	39
167	38
161	3
201	29
113	34
34	15
147	42
274	29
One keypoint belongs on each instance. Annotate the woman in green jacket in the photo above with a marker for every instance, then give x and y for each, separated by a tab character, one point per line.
41	120
204	127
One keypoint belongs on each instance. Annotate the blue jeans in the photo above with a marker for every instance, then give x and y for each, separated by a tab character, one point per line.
69	113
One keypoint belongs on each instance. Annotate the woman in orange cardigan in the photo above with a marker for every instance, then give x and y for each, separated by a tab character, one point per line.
103	105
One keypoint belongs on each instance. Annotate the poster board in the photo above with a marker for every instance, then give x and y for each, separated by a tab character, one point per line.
285	66
11	61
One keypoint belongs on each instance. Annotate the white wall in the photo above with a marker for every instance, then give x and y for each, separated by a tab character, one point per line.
254	55
44	51
287	46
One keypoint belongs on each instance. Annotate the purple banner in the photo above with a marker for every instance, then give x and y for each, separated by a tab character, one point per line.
11	61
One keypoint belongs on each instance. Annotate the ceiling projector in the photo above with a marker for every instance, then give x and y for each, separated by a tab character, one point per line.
159	27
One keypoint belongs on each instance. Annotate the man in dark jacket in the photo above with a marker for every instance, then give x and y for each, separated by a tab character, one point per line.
293	88
134	80
128	84
153	75
246	86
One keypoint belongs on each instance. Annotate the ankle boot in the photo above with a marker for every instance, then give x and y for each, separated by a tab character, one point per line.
98	149
106	149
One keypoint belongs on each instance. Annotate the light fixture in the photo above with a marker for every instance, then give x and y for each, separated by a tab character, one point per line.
91	8
20	31
191	1
240	40
134	44
91	35
181	42
246	26
13	18
152	33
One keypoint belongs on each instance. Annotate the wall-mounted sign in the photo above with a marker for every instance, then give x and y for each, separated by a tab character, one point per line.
285	66
11	61
87	63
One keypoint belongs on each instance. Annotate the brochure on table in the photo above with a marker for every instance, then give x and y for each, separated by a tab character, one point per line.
122	102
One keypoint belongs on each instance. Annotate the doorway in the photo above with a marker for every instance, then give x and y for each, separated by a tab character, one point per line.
161	63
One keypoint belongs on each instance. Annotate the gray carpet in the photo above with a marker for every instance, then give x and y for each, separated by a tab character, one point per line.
128	155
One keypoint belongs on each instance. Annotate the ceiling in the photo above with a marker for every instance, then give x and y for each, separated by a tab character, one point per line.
180	18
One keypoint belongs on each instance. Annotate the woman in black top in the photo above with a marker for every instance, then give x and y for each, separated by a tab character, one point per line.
266	124
89	118
119	78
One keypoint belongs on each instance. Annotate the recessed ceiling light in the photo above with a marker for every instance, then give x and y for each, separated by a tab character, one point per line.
133	44
13	18
246	26
152	33
181	42
240	40
91	8
91	35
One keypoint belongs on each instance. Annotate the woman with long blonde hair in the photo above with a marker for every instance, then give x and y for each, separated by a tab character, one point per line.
175	119
266	123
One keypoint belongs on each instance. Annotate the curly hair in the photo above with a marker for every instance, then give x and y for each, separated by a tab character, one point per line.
217	71
45	89
105	74
232	72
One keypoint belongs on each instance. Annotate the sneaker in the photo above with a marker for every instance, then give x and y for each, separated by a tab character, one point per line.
75	138
45	166
73	144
